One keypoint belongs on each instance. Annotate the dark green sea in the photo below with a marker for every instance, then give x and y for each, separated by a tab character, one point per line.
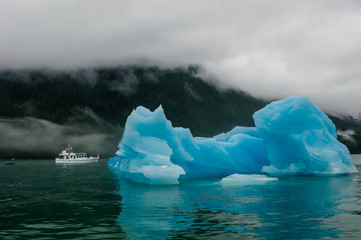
43	200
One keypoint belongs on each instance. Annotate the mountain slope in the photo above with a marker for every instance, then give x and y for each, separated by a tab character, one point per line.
98	101
42	110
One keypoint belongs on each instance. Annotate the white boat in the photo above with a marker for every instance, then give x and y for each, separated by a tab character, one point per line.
68	156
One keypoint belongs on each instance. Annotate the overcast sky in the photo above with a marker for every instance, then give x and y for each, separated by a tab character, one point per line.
269	48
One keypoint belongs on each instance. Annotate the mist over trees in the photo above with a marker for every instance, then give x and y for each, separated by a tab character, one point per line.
43	110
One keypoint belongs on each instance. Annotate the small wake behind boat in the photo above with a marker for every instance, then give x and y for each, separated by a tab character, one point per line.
68	156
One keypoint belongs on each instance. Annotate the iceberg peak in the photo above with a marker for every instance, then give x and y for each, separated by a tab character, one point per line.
301	139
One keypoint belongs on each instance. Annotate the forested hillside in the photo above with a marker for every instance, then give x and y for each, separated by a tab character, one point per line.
41	110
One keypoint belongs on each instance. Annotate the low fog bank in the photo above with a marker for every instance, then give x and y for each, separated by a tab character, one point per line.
348	131
38	138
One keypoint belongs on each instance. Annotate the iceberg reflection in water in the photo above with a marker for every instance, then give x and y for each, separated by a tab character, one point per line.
215	190
296	207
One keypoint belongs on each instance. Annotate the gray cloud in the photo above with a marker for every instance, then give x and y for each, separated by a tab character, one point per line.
129	84
347	135
268	48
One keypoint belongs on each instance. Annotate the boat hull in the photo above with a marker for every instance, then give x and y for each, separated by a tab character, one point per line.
76	161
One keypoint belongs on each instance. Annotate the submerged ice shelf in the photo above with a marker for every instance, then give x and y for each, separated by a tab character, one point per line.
292	136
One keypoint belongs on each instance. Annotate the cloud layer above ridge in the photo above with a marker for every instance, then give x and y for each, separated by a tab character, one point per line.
268	48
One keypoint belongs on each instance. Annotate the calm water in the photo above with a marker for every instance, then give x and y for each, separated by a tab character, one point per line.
42	200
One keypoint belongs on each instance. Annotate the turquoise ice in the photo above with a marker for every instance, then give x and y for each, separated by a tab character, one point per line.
292	137
153	151
301	139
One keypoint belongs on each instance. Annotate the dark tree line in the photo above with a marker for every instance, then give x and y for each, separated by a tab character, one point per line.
112	93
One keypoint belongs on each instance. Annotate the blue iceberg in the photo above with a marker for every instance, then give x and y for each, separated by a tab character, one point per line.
292	137
301	139
153	151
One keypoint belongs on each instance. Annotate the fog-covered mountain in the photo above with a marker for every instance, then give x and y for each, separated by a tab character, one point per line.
43	110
